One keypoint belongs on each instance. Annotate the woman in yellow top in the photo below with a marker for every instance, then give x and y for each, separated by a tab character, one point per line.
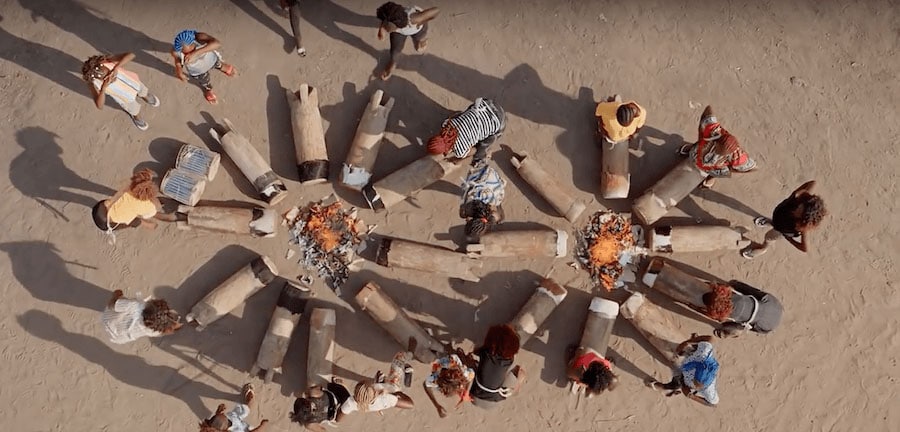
132	206
619	121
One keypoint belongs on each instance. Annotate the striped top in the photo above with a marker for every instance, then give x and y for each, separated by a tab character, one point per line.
124	322
479	121
123	88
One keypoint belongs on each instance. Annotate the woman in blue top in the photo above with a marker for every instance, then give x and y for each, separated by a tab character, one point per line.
697	372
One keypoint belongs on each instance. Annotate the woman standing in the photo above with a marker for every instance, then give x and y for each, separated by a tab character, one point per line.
402	22
792	219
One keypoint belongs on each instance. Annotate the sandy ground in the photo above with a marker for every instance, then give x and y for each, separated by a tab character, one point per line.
830	367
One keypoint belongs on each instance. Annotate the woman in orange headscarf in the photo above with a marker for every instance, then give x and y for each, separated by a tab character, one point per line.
716	152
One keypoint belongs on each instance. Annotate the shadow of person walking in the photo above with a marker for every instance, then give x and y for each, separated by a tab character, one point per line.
50	63
130	370
39	172
104	34
38	266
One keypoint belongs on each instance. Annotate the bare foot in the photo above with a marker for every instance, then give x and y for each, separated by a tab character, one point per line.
420	47
247	393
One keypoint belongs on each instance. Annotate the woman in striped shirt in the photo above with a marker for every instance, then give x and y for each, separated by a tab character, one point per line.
106	76
478	126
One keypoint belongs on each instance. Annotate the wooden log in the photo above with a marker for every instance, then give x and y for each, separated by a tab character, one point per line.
654	324
598	327
695	238
401	184
396	322
256	222
290	306
675	283
183	186
540	305
523	243
561	198
233	292
668	192
309	135
197	160
615	180
357	169
320	356
270	188
427	258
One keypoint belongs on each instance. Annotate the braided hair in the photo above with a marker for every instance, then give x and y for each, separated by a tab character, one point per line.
480	218
364	394
393	13
718	302
93	68
444	140
451	381
159	316
626	113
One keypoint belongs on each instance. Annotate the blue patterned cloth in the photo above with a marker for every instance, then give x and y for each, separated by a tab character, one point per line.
484	184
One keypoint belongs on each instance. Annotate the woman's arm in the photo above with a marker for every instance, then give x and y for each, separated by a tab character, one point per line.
382	29
121	59
261	427
117	294
440	409
99	96
210	44
802	245
423	17
179	73
804	188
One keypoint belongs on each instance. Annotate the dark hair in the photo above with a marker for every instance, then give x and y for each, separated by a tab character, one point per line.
597	377
718	302
813	211
304	413
501	340
92	67
159	316
393	13
451	381
626	113
480	217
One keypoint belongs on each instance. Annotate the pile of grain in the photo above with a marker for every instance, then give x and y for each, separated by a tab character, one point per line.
326	237
601	245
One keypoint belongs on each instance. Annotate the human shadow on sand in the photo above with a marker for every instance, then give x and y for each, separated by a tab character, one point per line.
237	177
325	15
105	35
41	269
40	173
127	369
233	341
50	63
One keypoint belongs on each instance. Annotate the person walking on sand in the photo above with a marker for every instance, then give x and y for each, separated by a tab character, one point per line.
291	8
452	375
741	307
236	419
478	126
320	405
792	219
483	190
716	152
496	379
106	75
197	53
696	373
134	205
127	320
617	121
402	22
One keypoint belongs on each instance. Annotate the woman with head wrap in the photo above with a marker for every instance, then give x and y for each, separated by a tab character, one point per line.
478	126
106	76
483	190
716	152
401	22
792	219
697	372
196	53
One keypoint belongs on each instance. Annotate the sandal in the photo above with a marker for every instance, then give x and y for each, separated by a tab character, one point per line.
685	149
210	97
247	393
761	221
228	69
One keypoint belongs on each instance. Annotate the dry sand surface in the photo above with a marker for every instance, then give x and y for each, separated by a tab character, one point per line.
810	88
